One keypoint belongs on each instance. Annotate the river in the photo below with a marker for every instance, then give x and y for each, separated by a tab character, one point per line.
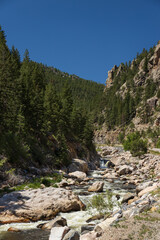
74	219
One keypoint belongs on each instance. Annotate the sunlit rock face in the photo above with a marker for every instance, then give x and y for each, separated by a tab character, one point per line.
34	205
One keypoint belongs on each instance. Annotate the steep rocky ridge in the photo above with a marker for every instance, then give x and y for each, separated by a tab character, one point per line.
132	98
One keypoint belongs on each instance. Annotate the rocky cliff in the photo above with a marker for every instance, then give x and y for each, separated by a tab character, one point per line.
133	98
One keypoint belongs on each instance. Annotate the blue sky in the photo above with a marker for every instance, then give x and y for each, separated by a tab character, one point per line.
82	37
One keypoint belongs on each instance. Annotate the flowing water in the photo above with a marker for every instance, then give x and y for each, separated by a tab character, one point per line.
74	219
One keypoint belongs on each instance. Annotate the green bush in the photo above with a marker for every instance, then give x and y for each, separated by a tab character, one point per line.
102	202
158	143
135	144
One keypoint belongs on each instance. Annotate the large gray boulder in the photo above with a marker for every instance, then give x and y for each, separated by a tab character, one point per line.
37	204
125	169
96	187
58	233
78	174
58	221
78	165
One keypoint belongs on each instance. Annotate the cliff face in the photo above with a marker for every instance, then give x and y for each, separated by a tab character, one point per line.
133	97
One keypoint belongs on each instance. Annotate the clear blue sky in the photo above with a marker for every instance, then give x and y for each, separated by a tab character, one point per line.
82	37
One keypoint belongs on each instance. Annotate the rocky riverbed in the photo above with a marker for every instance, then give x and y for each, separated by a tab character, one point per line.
134	182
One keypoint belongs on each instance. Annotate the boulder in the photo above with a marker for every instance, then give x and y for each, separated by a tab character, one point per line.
125	169
37	204
127	197
89	236
63	183
143	185
13	229
58	233
147	190
87	227
95	217
78	174
106	223
72	235
58	221
96	187
78	165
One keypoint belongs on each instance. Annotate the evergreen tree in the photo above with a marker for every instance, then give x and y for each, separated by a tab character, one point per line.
8	106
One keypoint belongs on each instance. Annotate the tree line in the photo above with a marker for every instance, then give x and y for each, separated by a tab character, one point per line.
42	110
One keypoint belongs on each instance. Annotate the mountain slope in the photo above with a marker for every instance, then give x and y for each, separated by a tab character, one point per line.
132	97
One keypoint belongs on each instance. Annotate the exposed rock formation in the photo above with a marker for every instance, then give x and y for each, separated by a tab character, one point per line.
34	205
110	77
78	165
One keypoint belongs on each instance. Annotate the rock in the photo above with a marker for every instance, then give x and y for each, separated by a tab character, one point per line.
12	229
87	227
144	208
72	235
89	236
125	169
152	102
96	187
143	185
106	152
37	204
112	175
78	165
147	190
63	183
34	170
58	233
78	174
106	223
127	197
130	201
60	221
96	217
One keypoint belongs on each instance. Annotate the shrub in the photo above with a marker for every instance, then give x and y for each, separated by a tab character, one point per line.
135	144
102	202
158	143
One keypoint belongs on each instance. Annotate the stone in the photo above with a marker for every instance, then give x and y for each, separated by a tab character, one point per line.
144	208
152	102
130	201
63	183
96	217
37	204
143	185
125	169
78	174
72	235
78	165
127	197
87	227
58	233
13	229
106	223
89	236
60	221
147	190
96	187
112	175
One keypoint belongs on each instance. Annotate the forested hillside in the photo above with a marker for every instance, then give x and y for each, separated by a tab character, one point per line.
43	111
132	98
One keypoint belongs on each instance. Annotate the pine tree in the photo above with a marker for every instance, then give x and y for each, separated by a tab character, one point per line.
52	106
8	103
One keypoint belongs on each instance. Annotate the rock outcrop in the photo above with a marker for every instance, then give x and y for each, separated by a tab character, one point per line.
78	165
34	205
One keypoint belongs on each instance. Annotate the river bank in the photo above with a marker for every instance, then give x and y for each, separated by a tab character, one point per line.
132	182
